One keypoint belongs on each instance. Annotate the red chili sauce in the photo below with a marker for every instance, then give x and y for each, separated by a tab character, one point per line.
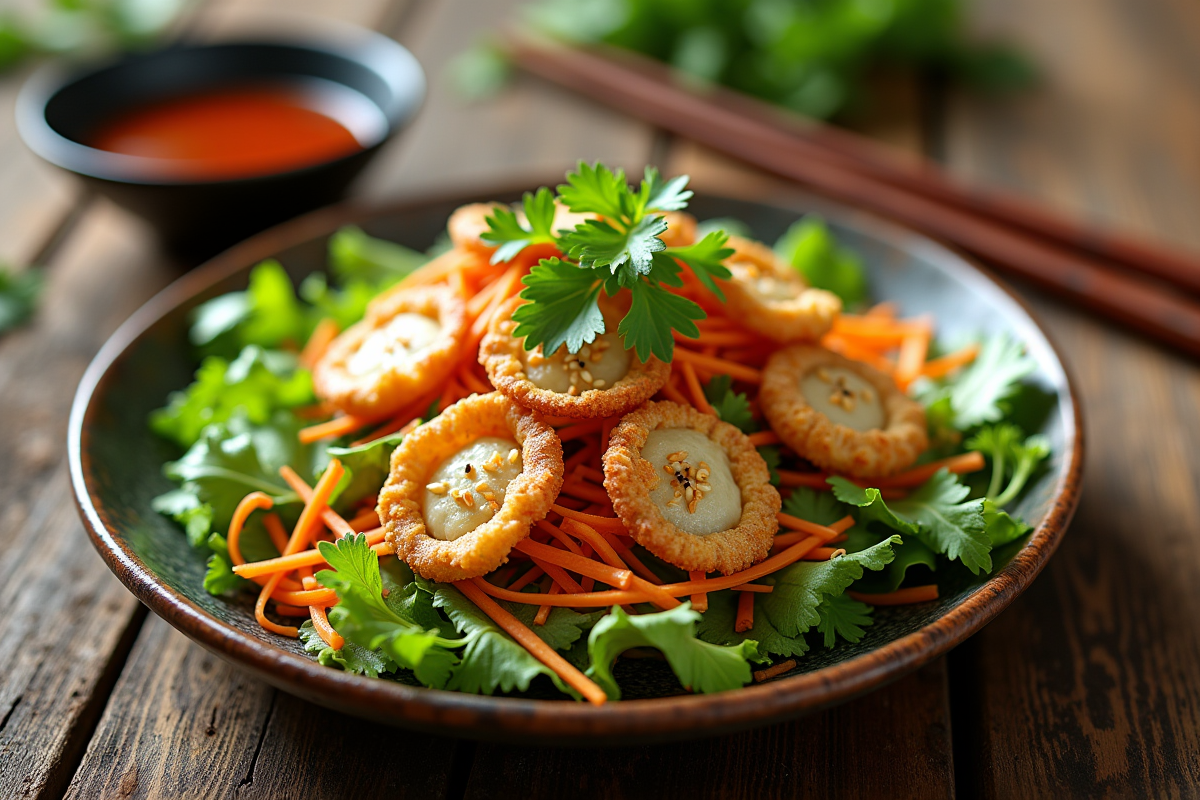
230	133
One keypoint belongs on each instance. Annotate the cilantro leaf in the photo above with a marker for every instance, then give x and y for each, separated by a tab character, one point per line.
1001	527
910	553
363	617
660	195
596	189
258	382
732	407
19	292
770	455
219	577
511	236
700	666
351	658
598	243
811	249
979	393
1026	455
782	617
706	259
819	507
561	630
562	307
871	507
843	616
653	315
938	510
267	314
492	659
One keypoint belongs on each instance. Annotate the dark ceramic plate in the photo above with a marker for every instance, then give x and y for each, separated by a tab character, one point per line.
116	470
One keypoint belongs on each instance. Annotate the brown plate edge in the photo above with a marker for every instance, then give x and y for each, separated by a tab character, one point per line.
548	722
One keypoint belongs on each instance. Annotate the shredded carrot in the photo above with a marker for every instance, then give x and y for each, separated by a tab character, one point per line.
719	365
536	647
745	612
585	491
274	526
731	338
761	438
813	480
529	577
674	394
597	541
885	310
966	462
403	422
942	366
605	433
304	558
754	588
252	502
699	600
774	671
338	426
630	558
810	528
586	453
900	597
330	517
590	473
580	429
304	597
366	520
693	385
471	381
622	578
320	621
452	394
543	613
856	352
322	336
566	540
290	611
913	350
560	577
599	523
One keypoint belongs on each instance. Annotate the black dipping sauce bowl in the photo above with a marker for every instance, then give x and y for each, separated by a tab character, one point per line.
61	107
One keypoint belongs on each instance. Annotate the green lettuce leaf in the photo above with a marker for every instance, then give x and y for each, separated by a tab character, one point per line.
700	666
267	314
980	393
811	249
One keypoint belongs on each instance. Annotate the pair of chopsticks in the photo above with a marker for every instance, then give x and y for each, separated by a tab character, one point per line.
1140	285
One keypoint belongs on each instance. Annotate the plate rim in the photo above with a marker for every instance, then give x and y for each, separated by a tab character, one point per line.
545	721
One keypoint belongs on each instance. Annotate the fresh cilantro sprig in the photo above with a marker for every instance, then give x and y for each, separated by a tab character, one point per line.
621	249
1006	445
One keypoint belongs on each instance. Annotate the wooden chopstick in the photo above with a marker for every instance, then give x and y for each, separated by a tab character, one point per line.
1056	264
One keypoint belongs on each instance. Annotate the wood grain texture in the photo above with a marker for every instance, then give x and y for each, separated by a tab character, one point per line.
66	618
181	723
530	129
842	752
1092	679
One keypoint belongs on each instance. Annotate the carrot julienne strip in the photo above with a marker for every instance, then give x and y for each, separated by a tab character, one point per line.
580	429
778	669
719	365
761	438
610	524
529	577
913	350
471	381
330	517
965	462
745	613
811	528
322	336
320	621
304	558
560	577
942	366
585	491
674	394
543	613
622	578
699	600
558	534
597	541
755	588
252	502
900	597
693	384
290	611
536	647
338	426
630	558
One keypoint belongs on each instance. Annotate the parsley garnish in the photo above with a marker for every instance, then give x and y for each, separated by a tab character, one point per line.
621	250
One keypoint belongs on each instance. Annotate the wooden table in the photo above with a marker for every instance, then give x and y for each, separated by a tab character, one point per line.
1088	686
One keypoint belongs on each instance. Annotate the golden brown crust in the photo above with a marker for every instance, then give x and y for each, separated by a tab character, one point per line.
681	229
468	223
806	317
629	478
527	499
838	448
500	354
378	394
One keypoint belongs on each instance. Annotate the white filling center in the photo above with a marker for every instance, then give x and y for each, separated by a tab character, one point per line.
395	345
596	366
468	488
720	505
843	396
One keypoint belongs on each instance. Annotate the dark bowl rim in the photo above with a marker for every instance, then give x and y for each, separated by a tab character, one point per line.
405	77
545	721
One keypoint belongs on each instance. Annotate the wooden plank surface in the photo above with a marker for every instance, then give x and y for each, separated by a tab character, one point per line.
1092	679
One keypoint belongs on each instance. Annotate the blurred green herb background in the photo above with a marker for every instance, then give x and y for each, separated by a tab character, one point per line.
62	27
815	57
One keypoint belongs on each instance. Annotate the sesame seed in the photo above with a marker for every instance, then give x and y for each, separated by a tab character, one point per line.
513	455
704	487
468	499
437	488
598	383
587	376
678	456
482	487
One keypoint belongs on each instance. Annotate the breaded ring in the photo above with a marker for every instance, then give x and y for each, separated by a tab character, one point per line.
504	358
528	497
384	390
629	479
681	229
871	453
797	313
